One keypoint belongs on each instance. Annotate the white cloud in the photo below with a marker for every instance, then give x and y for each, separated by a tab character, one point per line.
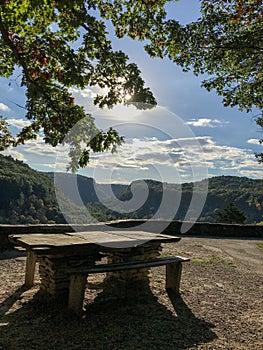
86	93
4	107
254	142
206	122
232	160
13	153
18	123
43	152
179	156
173	160
146	158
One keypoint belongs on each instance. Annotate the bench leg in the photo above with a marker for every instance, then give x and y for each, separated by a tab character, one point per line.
76	292
30	268
173	276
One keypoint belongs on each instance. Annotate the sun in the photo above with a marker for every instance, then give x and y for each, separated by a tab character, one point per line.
127	97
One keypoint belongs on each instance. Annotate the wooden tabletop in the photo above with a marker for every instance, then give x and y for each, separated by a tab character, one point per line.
106	238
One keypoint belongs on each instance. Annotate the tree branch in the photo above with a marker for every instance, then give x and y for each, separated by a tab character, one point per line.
6	37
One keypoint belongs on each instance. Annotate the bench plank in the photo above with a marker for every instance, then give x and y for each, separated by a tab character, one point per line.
78	276
125	265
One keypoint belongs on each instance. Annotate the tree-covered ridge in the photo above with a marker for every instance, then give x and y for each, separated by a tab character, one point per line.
28	196
244	193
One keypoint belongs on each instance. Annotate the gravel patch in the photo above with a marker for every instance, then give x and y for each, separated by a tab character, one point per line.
220	306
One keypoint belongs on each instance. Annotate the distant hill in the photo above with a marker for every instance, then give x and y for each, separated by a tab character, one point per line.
245	193
28	196
88	189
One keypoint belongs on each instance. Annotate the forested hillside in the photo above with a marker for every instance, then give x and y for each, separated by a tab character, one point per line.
245	193
28	196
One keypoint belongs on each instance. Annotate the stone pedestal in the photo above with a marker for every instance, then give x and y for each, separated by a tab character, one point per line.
131	282
54	280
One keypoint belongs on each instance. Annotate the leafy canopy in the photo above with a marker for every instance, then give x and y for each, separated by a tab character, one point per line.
227	44
62	44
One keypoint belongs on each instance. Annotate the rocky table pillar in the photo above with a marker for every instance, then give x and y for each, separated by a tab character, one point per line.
131	282
54	280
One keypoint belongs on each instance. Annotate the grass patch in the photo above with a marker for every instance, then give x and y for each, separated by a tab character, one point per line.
198	245
260	245
213	260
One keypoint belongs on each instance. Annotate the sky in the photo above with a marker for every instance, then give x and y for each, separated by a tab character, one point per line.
189	136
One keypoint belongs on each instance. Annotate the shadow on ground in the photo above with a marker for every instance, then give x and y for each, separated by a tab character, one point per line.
129	323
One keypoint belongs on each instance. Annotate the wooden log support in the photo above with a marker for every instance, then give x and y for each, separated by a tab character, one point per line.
76	292
30	269
173	276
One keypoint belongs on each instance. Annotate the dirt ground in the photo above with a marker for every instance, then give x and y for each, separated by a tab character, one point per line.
220	306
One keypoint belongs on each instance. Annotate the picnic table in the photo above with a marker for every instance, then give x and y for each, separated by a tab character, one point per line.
66	259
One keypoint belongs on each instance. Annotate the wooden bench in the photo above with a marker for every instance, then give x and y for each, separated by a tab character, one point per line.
78	276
